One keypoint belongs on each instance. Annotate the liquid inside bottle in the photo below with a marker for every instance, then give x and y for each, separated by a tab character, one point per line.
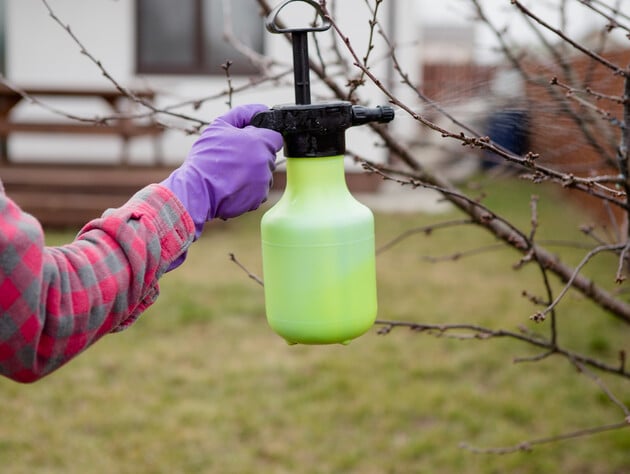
318	257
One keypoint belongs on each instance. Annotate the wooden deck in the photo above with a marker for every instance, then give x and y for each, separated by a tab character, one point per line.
71	195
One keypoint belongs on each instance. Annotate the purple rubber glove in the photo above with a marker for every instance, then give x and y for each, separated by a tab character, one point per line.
229	168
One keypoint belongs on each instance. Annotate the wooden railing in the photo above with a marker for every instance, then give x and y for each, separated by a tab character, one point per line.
69	195
120	125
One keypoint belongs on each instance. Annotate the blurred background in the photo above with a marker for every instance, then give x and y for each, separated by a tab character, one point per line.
93	112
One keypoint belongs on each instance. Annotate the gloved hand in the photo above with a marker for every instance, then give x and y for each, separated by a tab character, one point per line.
229	168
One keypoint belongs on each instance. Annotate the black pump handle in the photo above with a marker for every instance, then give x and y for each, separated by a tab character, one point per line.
273	27
299	39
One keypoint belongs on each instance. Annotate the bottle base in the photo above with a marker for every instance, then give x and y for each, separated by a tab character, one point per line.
311	335
343	343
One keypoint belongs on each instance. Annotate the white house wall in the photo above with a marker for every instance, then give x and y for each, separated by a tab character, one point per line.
41	54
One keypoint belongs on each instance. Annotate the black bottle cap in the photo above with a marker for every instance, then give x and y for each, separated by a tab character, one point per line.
316	130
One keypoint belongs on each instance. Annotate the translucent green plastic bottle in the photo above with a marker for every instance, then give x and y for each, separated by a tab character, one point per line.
318	257
317	241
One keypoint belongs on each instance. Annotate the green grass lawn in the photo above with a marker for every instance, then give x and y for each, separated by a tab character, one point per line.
202	385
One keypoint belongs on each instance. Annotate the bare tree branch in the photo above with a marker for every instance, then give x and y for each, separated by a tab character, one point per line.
528	445
473	331
613	67
242	267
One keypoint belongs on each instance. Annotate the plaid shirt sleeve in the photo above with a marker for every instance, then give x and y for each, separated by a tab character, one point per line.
56	301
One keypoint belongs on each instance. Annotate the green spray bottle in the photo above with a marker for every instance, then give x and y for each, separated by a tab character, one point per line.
317	240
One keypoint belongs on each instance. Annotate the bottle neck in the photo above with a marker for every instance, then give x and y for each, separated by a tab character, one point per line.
320	176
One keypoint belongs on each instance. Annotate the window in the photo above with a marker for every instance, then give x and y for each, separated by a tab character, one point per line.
186	36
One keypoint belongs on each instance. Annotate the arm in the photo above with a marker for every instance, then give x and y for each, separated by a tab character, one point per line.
56	301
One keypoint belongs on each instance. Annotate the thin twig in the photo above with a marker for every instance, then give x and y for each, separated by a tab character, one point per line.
226	67
536	358
534	219
427	230
540	316
613	67
242	267
623	152
528	445
600	383
620	277
356	83
465	253
613	18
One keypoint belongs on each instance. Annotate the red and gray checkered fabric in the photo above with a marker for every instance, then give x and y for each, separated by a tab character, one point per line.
56	301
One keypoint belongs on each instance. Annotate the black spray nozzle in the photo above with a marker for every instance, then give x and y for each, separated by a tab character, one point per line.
379	114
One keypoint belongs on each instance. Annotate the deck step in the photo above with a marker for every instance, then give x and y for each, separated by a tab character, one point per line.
69	196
